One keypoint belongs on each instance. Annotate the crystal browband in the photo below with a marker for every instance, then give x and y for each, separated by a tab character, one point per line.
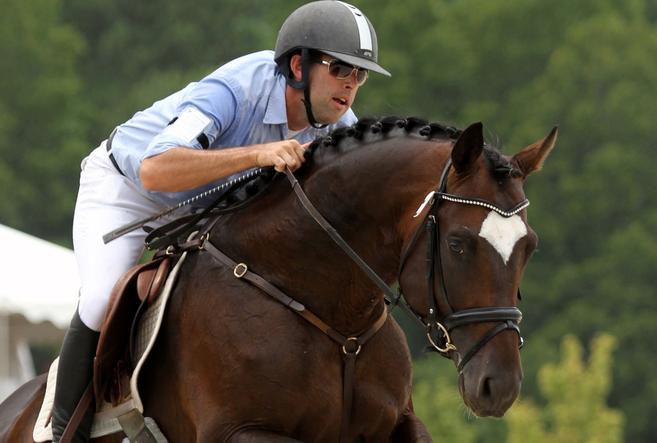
483	203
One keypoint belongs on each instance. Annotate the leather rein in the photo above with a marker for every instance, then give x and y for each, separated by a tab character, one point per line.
437	329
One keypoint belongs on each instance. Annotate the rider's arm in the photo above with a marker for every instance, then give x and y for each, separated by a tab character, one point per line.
175	160
180	169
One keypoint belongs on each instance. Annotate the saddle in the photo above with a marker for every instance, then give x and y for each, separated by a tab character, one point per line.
133	293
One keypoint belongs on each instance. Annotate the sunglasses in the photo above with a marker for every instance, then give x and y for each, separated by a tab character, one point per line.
343	71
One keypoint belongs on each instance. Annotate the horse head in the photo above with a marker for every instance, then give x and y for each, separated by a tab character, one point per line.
463	265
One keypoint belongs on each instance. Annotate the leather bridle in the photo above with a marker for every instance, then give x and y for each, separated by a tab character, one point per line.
437	328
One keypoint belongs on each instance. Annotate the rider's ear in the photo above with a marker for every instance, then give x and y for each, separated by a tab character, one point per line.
296	67
531	158
468	147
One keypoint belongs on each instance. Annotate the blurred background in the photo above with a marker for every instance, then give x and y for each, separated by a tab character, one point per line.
74	69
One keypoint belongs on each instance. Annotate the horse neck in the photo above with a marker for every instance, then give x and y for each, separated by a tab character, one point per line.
363	194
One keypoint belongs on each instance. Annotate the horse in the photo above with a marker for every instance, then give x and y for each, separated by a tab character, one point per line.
436	209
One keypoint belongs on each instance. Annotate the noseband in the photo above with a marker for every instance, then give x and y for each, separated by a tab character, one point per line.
438	329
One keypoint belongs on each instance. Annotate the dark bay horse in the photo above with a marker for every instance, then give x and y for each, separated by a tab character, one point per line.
434	208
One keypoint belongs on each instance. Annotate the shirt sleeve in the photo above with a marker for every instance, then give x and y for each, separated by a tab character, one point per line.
210	101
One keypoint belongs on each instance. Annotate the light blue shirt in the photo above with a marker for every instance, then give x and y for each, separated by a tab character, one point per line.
245	101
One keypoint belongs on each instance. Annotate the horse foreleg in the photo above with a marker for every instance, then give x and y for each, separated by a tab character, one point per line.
410	430
253	436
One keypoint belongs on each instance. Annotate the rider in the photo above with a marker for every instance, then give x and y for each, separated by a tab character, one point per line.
259	110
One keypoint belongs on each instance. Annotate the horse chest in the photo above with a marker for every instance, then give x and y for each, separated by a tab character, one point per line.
273	370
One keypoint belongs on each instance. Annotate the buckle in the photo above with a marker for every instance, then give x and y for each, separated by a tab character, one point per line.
202	239
240	270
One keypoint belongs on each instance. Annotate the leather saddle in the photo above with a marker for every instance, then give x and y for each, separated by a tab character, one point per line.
133	293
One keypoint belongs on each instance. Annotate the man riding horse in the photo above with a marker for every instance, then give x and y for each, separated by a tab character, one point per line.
259	110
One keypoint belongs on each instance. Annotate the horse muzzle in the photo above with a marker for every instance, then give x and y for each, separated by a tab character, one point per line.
491	381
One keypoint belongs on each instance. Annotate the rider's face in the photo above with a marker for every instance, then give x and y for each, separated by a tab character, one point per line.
330	96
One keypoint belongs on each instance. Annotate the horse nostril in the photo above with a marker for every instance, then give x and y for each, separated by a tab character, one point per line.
486	388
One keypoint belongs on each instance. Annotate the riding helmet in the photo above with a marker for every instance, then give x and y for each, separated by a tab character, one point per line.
333	27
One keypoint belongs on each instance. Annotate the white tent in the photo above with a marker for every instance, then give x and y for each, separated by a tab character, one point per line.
38	294
39	279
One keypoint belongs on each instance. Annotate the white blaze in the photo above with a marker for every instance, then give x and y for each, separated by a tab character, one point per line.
503	233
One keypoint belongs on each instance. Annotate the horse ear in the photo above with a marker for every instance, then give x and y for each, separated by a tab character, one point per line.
531	158
468	147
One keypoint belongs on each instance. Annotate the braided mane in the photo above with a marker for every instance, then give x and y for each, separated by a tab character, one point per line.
369	129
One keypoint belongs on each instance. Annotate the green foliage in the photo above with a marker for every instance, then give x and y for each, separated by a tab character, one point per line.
141	52
437	402
39	141
576	410
573	408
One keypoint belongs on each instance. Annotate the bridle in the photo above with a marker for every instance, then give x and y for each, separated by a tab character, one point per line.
437	328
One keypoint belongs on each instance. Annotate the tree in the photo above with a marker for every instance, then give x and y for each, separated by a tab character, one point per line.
437	402
594	203
573	409
142	52
39	122
576	410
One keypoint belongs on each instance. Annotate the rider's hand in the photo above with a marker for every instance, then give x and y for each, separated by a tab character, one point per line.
281	154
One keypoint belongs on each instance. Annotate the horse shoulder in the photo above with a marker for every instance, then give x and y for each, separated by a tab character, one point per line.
18	413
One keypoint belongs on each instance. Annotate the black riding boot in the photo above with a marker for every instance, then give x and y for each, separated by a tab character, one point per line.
74	374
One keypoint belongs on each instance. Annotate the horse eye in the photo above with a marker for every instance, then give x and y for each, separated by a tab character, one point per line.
456	246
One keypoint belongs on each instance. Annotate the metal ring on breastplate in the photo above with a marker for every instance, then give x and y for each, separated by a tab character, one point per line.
352	340
240	270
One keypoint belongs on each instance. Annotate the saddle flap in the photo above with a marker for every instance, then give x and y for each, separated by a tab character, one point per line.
112	362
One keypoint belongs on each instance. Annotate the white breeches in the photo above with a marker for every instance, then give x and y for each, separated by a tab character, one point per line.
106	201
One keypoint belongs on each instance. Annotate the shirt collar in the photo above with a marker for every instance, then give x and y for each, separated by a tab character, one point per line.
276	114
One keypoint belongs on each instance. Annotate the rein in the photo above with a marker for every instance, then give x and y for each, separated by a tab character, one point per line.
507	317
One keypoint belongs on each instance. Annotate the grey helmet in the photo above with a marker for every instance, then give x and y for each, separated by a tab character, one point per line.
333	27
